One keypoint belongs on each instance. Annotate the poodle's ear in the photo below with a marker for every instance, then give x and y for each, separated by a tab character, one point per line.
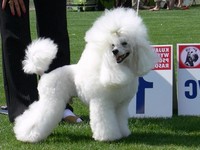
145	58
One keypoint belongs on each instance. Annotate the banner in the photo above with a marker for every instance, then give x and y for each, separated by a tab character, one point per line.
188	79
155	92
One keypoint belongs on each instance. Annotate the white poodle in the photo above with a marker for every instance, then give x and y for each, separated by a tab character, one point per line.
106	78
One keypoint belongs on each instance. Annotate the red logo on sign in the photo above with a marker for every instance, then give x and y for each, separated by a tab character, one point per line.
164	52
189	56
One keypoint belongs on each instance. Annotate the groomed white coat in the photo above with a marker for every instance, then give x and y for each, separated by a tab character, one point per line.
117	52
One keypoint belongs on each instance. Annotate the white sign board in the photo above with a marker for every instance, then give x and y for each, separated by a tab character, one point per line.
188	56
155	92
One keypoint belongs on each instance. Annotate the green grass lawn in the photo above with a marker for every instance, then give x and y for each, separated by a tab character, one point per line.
178	132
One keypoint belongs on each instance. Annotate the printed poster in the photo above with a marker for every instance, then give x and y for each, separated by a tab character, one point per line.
188	79
155	93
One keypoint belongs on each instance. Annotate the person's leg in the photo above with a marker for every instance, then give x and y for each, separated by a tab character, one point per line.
20	88
52	23
127	3
157	7
117	3
180	2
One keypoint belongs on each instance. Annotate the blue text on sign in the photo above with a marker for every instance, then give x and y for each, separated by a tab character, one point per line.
194	86
140	96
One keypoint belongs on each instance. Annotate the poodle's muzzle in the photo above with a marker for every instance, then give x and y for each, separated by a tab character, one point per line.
120	58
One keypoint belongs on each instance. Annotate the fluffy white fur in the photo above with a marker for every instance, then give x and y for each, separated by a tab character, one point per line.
35	63
106	78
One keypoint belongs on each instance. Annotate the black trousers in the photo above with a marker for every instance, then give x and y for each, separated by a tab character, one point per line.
123	3
20	88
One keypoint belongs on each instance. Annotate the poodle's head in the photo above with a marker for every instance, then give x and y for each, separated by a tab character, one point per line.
122	41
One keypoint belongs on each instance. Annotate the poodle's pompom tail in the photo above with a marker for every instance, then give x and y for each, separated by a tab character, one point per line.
39	55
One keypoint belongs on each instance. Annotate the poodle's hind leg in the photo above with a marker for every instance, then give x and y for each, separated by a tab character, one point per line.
36	123
103	121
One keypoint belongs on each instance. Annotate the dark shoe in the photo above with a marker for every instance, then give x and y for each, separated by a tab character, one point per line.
4	110
72	119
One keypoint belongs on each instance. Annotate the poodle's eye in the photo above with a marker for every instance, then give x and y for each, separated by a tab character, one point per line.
124	43
113	45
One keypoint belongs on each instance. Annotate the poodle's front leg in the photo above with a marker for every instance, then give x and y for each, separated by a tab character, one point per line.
36	123
103	121
122	116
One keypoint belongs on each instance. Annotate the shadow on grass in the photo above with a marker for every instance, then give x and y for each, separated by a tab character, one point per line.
182	131
162	139
176	131
179	131
66	137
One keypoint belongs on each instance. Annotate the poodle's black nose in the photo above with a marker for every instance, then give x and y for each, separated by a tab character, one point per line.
115	51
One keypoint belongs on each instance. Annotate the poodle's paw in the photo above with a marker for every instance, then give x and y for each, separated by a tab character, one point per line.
27	137
126	132
27	131
102	136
